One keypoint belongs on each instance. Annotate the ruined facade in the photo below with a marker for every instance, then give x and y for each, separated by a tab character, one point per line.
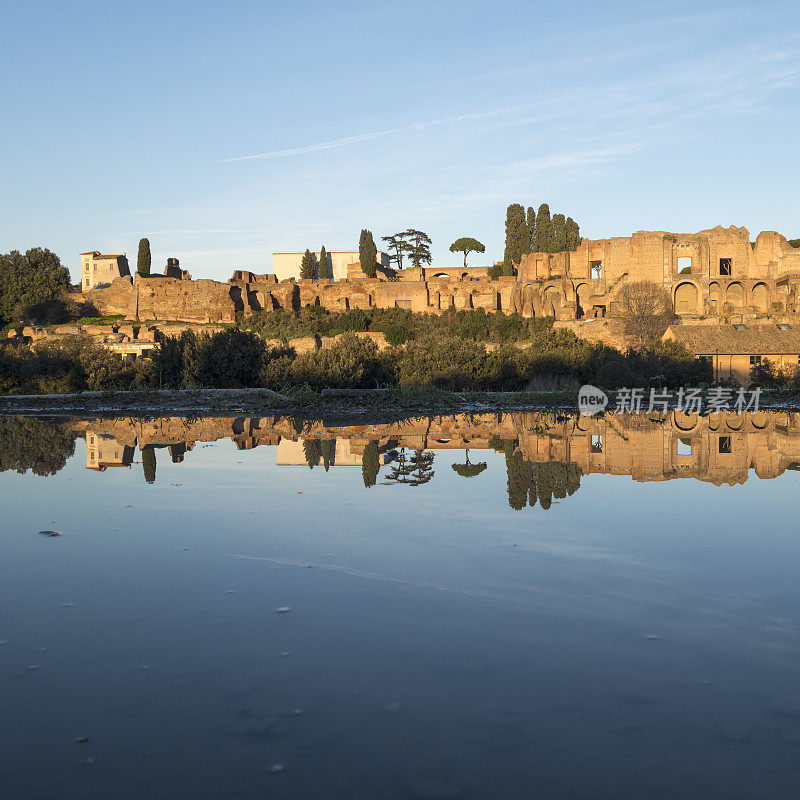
715	275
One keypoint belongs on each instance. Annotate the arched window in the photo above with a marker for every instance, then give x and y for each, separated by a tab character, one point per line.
686	298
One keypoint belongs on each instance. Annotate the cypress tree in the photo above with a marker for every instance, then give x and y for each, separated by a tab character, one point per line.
325	273
531	222
367	253
543	238
573	234
143	259
517	237
307	265
149	463
559	233
370	464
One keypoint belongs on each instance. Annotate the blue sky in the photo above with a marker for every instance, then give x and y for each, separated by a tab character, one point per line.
225	132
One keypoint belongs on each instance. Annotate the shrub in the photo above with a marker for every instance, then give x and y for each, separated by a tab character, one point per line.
73	364
396	334
229	359
614	374
276	371
455	364
351	362
30	279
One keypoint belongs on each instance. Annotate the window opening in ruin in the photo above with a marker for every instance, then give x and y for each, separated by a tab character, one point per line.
596	269
684	446
740	326
784	326
725	444
684	265
597	443
599	311
725	266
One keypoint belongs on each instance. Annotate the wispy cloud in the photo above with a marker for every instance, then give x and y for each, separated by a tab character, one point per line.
364	137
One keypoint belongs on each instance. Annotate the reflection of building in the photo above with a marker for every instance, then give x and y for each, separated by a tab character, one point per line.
103	451
294	453
720	448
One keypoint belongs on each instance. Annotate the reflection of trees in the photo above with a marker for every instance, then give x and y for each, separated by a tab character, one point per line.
412	470
370	464
528	482
468	469
149	463
42	446
311	452
328	450
316	450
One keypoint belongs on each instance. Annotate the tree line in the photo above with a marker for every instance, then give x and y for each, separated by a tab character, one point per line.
235	358
30	283
535	232
312	268
411	243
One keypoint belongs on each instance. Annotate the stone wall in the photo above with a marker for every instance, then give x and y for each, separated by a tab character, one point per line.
716	274
160	298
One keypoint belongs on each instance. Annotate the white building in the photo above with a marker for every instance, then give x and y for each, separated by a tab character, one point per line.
100	270
292	454
287	265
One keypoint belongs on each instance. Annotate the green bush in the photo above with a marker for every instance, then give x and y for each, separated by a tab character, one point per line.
351	362
396	334
229	359
614	374
447	353
455	364
29	280
397	324
72	364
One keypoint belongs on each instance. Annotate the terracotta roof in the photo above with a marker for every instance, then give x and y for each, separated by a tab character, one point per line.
740	340
118	255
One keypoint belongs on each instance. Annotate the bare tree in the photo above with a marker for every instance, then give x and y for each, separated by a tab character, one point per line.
646	312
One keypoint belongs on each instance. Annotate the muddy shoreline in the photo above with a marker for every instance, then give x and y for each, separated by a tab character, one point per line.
395	403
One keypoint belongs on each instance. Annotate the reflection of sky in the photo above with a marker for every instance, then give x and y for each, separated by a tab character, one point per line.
557	603
239	502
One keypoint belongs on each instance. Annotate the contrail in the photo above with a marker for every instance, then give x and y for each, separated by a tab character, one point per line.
363	137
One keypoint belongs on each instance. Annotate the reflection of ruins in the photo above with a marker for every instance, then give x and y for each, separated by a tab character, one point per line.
720	448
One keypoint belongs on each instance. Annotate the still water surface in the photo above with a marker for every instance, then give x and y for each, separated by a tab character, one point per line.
488	606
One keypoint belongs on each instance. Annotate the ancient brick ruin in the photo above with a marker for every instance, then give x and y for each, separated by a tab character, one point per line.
713	275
